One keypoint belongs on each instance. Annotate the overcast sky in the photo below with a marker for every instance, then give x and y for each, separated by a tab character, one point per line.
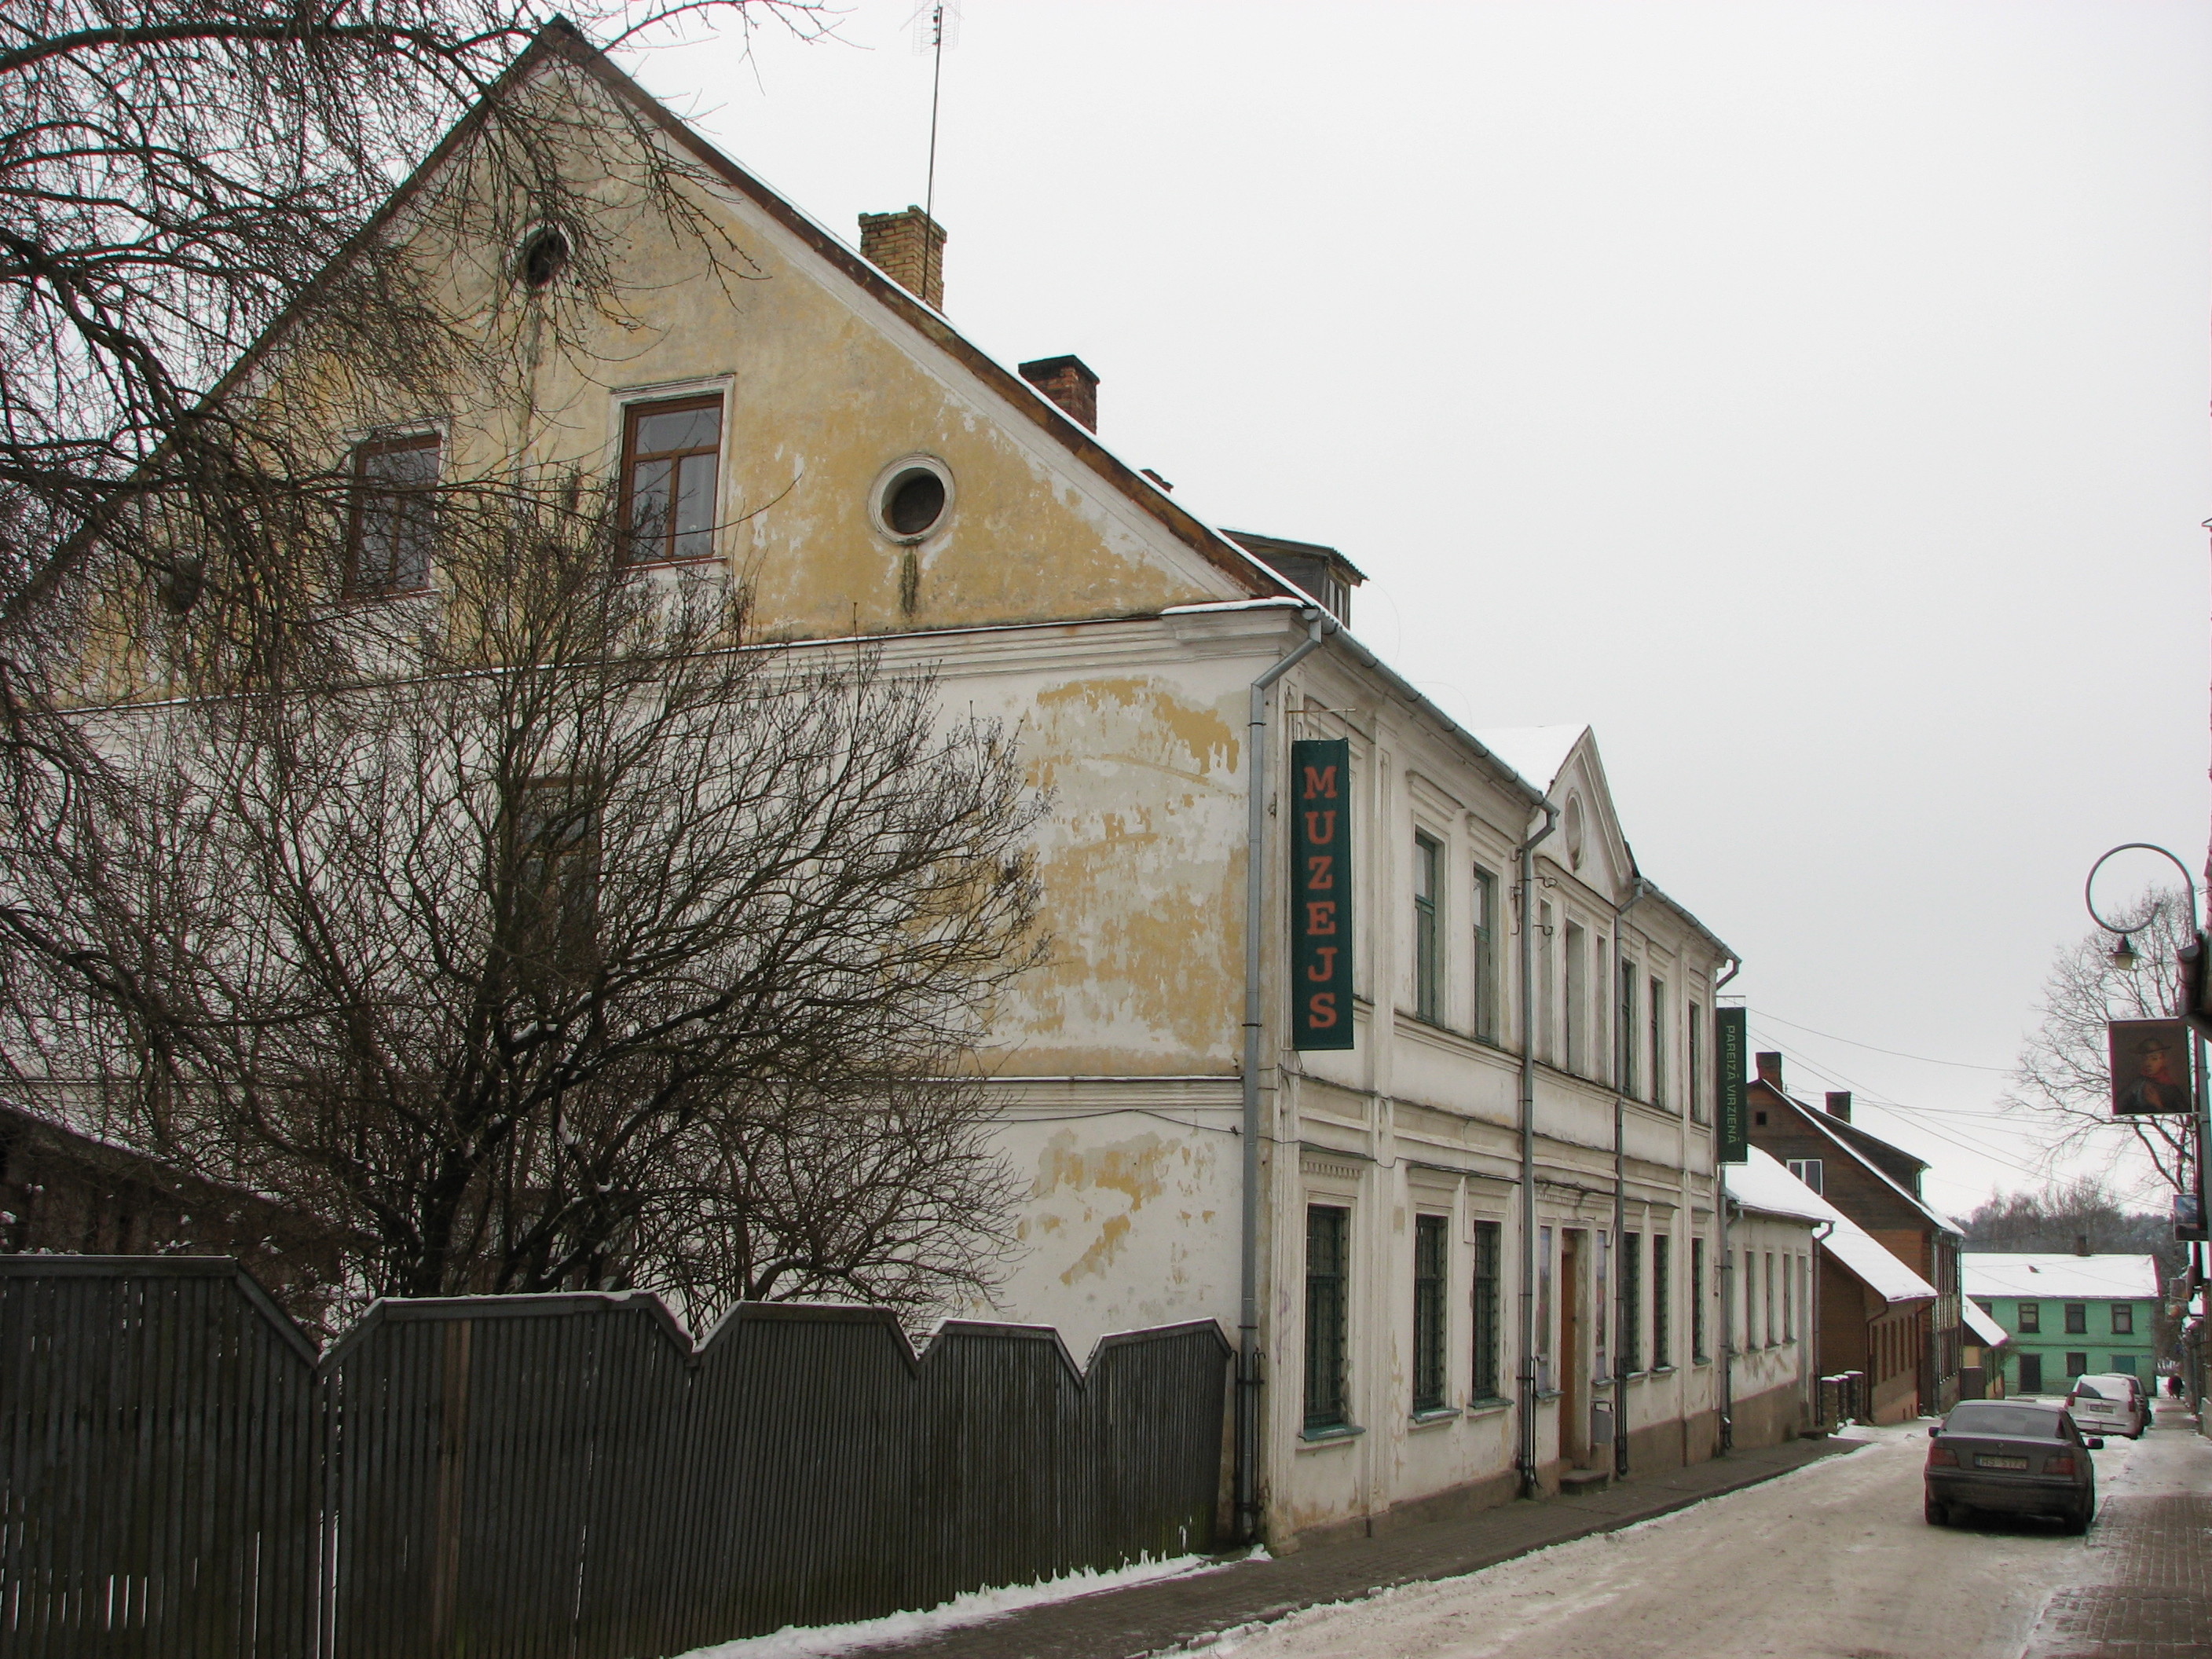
1811	398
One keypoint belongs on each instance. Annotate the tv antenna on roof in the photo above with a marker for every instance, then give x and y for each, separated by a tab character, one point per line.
937	26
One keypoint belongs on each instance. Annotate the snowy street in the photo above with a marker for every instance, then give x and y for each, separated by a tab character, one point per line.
1831	1562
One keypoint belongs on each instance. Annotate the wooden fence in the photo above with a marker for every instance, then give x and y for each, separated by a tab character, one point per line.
180	1473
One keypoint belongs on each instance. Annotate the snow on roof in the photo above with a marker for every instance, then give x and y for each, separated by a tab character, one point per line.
1986	1330
2059	1277
1536	752
1827	1124
1761	1183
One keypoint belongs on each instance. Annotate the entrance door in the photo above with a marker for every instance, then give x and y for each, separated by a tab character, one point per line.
2030	1373
1574	1364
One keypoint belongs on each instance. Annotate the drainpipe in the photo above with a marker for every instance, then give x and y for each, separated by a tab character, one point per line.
1525	853
1622	1056
1727	1258
1246	1486
1813	1322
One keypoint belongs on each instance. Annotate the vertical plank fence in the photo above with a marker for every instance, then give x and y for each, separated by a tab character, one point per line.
569	1476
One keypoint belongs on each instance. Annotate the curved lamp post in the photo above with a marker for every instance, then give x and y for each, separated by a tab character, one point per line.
2125	957
2123	954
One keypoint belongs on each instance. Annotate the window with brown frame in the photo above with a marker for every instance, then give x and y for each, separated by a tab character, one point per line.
393	522
670	454
556	886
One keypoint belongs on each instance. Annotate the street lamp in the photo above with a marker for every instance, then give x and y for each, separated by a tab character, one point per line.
2125	956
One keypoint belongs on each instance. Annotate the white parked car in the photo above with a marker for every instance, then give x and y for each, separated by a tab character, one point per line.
2110	1402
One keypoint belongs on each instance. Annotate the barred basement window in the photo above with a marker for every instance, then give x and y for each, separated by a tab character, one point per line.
1328	1237
1430	1256
1485	1384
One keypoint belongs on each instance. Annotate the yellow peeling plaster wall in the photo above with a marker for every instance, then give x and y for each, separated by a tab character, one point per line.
1039	600
1131	1204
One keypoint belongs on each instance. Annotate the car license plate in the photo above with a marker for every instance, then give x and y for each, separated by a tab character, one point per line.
1984	1461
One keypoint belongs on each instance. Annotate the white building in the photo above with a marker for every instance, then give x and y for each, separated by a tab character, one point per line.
1462	1263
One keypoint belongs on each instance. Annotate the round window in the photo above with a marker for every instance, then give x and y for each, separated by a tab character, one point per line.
544	255
911	499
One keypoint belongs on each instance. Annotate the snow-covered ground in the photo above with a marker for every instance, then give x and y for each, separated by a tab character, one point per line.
1831	1562
796	1641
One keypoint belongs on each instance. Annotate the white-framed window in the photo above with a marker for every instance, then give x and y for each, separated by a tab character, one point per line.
1808	1170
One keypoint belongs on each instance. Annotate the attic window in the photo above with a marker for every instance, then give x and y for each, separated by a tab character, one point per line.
912	497
544	256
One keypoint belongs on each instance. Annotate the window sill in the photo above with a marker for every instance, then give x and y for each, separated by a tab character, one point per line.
1701	1359
1491	1407
1662	1370
1548	1395
1431	1418
1337	1435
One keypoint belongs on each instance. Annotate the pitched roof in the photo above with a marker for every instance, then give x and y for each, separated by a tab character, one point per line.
1536	752
1761	1183
2060	1277
1833	1127
1986	1330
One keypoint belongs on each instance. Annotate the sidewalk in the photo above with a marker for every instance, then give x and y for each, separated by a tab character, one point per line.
1175	1613
2153	1600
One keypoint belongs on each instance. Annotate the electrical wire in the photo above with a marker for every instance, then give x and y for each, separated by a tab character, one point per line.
1899	1053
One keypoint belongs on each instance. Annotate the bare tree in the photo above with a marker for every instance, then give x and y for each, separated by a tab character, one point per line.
177	175
2068	1215
587	945
2064	1080
189	191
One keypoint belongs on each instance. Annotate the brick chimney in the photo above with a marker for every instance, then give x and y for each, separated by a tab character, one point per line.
1068	382
1839	1103
908	248
1769	1068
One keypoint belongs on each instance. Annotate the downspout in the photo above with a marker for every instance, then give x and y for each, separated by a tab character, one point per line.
1623	1040
1525	853
1819	1416
1727	1257
1246	1479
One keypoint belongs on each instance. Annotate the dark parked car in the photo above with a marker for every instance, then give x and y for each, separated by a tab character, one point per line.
2017	1456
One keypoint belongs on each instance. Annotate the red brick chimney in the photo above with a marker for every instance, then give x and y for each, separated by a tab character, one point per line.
908	248
1770	1068
1839	1103
1068	382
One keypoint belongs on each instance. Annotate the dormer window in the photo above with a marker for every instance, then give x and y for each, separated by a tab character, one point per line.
1321	572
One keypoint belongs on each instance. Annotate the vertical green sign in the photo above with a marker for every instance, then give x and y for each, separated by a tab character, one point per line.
1321	894
1729	1044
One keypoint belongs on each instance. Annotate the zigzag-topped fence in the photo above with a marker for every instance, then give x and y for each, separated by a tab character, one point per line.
180	1473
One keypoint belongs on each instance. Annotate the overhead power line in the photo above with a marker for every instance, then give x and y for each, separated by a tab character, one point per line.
1899	1053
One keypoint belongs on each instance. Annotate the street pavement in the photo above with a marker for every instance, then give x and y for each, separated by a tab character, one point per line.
1831	1562
1789	1550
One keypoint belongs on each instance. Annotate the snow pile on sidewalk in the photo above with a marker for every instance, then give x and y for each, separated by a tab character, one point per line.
808	1641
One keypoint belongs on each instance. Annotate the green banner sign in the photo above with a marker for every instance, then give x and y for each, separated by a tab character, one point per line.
1321	894
1729	1042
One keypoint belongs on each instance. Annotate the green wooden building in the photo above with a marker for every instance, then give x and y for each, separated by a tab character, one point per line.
2069	1315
